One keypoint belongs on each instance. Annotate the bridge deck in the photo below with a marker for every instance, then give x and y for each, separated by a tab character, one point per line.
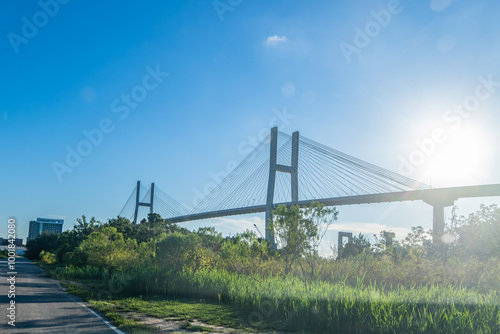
443	196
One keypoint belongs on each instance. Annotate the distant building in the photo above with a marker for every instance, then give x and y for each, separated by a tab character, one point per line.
20	250
5	242
41	225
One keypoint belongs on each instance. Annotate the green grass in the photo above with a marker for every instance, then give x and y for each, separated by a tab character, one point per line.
71	272
326	307
77	290
197	328
288	303
186	310
44	266
108	309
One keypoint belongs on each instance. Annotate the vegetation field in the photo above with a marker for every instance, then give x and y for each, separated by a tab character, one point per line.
385	286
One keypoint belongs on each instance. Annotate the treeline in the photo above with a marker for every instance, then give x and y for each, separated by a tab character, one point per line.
469	253
474	236
121	244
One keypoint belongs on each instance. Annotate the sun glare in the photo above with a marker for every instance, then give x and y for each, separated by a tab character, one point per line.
461	159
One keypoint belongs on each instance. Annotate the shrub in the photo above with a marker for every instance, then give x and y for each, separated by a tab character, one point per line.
107	248
44	242
48	257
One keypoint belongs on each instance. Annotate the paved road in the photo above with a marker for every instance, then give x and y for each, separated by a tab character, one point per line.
42	306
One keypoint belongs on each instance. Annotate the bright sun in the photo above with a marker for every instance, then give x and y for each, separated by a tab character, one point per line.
459	161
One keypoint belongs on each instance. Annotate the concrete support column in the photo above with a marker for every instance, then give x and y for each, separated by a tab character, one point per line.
151	197
137	190
437	223
295	166
270	184
438	203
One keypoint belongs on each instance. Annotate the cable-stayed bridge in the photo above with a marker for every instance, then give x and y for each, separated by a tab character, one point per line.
290	170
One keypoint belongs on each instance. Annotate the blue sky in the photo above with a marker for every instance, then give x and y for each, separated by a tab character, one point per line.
232	65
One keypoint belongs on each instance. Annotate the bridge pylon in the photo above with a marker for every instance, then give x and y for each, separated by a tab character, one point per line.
138	203
438	204
275	167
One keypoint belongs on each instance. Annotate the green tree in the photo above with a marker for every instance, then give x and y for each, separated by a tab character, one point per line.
321	217
154	226
479	233
417	242
298	232
106	248
416	238
44	242
243	253
357	245
385	243
83	228
123	226
290	232
70	240
173	249
210	238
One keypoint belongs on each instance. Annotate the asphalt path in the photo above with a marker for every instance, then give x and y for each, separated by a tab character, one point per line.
42	306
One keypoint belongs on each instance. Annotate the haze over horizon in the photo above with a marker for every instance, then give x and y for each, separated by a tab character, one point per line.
99	95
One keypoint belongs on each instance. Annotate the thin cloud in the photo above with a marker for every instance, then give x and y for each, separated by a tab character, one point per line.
229	225
54	216
275	40
369	228
238	223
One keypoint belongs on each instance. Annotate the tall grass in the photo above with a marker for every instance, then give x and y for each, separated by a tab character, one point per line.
359	296
326	307
470	272
83	273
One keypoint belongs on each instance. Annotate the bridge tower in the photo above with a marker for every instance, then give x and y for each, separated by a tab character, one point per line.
138	203
340	243
275	167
